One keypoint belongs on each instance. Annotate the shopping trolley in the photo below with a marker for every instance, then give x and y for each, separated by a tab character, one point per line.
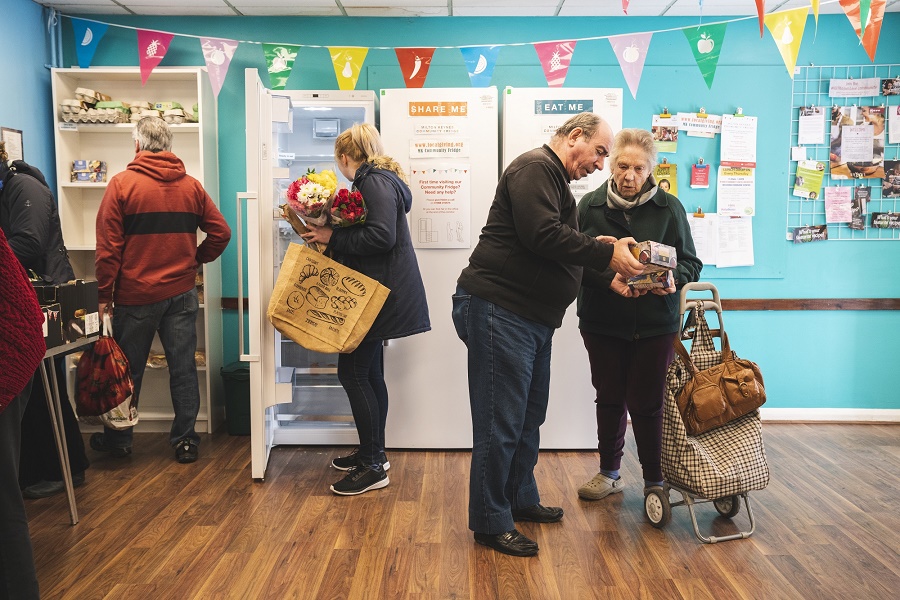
720	466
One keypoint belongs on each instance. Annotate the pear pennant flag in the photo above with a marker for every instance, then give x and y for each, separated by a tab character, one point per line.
706	44
414	63
787	28
631	51
87	36
279	62
555	58
152	48
217	53
347	63
480	61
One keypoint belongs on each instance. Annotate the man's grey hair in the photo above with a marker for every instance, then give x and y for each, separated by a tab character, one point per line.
153	135
587	121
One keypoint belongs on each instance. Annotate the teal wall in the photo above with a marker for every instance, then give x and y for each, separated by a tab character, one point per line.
810	359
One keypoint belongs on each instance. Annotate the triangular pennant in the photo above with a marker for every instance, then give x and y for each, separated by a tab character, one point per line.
217	53
152	47
631	52
414	64
87	36
625	6
864	6
347	64
854	11
279	62
761	12
815	9
706	44
873	30
787	28
480	61
555	58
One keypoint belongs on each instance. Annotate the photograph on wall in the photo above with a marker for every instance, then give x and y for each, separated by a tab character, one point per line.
665	133
666	176
890	187
858	206
857	142
890	87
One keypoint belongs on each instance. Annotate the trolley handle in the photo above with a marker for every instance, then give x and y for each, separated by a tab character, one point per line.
715	304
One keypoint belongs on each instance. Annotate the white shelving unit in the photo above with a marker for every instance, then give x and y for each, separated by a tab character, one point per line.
196	145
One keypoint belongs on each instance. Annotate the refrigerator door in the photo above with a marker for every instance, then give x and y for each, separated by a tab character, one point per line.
295	394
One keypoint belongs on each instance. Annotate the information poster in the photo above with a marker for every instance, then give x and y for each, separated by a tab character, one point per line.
440	215
808	181
736	192
665	133
735	242
811	127
837	204
738	141
700	124
666	176
705	233
857	142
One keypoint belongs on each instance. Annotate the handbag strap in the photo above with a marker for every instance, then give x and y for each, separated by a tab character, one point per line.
702	337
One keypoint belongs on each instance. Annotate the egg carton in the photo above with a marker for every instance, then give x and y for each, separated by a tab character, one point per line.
174	116
145	112
90	97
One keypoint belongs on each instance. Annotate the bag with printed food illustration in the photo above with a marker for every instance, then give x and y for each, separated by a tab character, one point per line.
321	304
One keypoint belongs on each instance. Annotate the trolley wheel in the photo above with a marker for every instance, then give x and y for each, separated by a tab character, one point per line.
657	507
728	506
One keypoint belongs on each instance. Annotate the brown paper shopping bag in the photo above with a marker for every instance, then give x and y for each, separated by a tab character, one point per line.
321	304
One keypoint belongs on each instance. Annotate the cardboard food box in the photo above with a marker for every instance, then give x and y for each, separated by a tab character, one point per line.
53	333
79	303
646	281
656	256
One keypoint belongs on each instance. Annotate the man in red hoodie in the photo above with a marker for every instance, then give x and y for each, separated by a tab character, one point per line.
147	262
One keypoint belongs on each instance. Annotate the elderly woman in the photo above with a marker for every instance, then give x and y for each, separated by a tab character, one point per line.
628	333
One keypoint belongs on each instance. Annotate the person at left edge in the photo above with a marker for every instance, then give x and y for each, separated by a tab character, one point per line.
146	265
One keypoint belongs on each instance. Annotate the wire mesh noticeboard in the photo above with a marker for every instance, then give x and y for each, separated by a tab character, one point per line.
811	89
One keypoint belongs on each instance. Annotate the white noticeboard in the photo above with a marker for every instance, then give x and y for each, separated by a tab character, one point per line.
446	141
530	117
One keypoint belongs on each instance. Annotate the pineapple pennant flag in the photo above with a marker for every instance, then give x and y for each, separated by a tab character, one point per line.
347	64
87	36
480	61
414	63
631	51
869	30
555	58
787	28
152	47
279	62
706	44
761	12
218	54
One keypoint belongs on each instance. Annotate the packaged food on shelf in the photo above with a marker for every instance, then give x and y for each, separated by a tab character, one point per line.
113	112
200	358
174	116
90	97
156	360
166	105
93	171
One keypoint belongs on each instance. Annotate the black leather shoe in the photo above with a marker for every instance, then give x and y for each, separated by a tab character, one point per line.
538	513
512	542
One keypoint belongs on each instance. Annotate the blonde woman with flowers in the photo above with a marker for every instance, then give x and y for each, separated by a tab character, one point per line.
381	248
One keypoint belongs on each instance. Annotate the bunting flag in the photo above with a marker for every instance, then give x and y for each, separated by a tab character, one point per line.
815	9
217	53
279	62
706	44
480	61
152	47
555	58
414	63
87	36
857	12
625	6
761	12
873	30
631	51
787	28
347	64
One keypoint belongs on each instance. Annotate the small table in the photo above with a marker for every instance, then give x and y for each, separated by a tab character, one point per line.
55	408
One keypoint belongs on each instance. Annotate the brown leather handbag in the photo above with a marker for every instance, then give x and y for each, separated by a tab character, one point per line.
720	394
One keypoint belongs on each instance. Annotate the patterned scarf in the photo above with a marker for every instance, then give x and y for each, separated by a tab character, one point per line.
617	202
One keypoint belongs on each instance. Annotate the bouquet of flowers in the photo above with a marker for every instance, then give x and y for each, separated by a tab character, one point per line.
348	208
309	195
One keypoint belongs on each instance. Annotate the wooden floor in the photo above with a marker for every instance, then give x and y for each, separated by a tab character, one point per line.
828	526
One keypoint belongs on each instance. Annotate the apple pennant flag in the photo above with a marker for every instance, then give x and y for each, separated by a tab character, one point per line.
217	54
414	63
706	44
631	50
279	62
480	61
347	64
152	47
555	58
761	11
787	28
87	36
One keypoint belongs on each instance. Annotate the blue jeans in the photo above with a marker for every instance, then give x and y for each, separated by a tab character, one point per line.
509	386
175	319
361	372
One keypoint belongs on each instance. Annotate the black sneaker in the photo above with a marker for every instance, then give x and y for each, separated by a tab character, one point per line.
98	443
360	480
186	451
345	463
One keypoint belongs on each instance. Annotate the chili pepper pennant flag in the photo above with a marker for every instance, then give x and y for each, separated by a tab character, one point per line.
218	54
555	58
480	61
279	62
787	28
631	52
414	63
857	12
347	64
152	47
706	44
87	36
873	29
761	13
